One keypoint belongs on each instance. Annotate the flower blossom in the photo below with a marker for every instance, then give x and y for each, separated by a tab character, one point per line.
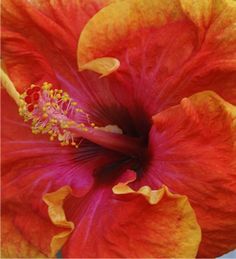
119	128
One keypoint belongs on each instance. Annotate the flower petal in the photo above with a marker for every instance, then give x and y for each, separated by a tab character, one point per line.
116	21
192	150
103	66
13	243
28	232
47	48
24	63
56	213
198	11
31	162
151	57
134	224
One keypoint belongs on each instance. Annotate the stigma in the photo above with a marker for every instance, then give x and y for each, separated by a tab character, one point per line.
52	111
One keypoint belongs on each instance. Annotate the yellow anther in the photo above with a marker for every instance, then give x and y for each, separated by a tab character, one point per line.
65	98
79	110
45	115
54	115
35	131
60	137
64	125
53	120
46	86
70	123
55	105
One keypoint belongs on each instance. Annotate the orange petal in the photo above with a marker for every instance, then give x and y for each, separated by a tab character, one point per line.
115	22
198	11
13	243
193	150
103	66
48	46
54	200
28	233
24	63
163	45
144	223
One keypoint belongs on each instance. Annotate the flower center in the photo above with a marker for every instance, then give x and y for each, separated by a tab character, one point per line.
52	111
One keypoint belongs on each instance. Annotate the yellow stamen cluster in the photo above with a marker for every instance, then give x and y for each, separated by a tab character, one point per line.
52	111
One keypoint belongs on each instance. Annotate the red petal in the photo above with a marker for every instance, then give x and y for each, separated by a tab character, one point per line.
192	150
36	31
163	52
32	165
133	224
24	63
28	232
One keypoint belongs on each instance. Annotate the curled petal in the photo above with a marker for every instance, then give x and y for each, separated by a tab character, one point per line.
143	223
28	232
192	150
56	213
103	66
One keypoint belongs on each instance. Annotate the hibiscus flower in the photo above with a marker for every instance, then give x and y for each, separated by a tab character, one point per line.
119	128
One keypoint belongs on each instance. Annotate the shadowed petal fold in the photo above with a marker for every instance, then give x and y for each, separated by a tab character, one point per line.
192	151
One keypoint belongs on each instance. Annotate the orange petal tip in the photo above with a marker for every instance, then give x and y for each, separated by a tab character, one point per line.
55	201
103	66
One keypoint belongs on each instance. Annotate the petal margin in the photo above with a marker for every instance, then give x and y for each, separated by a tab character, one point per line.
151	57
116	21
103	66
192	150
198	11
54	200
28	233
133	224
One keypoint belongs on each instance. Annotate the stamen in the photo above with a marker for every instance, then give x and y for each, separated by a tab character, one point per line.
52	111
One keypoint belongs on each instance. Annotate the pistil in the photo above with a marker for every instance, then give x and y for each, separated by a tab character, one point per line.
52	111
114	141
